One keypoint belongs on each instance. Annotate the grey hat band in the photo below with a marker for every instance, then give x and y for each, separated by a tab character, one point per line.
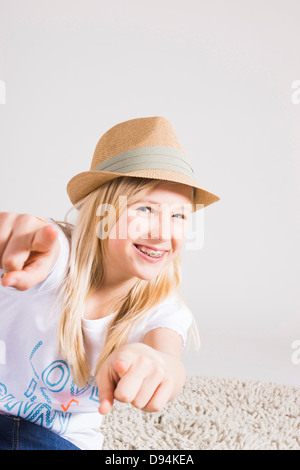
163	158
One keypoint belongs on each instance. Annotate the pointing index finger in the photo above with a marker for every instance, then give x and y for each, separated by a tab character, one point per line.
108	378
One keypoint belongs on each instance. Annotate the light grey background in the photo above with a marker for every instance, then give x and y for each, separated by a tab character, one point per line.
222	72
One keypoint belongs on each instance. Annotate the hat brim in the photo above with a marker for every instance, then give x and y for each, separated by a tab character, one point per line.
84	183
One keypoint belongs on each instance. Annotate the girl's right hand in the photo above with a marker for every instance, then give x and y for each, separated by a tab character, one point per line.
28	249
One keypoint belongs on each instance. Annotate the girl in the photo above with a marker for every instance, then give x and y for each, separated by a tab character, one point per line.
91	312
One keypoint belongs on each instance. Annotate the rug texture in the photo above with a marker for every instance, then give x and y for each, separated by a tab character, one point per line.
211	413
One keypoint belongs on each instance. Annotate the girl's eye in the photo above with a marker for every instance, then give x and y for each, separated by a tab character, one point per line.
143	207
182	216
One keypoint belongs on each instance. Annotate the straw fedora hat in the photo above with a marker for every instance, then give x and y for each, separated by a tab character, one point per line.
144	147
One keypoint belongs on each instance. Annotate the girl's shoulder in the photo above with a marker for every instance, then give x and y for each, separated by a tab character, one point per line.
174	299
173	311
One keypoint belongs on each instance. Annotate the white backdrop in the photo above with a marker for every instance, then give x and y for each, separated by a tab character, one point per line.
223	72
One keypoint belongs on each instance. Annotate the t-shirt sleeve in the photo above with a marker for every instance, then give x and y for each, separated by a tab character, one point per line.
173	314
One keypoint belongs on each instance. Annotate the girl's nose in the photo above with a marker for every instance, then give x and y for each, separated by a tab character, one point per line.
161	227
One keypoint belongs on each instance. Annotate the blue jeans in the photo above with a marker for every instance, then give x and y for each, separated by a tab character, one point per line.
19	434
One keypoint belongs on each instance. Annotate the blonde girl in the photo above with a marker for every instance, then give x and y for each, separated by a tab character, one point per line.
92	311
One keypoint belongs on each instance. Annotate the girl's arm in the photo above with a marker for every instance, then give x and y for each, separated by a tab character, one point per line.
147	375
169	343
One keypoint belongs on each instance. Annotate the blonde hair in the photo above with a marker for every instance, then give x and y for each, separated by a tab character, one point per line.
85	273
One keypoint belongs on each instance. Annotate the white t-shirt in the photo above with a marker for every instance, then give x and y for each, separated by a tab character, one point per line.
35	382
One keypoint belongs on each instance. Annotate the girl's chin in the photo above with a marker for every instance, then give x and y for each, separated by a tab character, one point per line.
149	273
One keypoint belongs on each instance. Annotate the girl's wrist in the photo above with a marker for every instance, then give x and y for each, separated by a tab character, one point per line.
176	370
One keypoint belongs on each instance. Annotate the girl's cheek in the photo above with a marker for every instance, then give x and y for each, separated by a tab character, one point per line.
116	247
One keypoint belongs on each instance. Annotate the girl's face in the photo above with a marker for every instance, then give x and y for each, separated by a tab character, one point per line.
152	233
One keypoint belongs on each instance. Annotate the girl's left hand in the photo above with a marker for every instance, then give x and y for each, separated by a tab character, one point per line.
138	374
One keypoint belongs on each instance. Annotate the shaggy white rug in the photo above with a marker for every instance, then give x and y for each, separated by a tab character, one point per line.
212	414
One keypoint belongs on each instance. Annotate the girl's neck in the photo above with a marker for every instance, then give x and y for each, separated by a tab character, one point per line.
106	300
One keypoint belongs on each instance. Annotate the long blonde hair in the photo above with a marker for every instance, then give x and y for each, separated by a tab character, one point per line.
85	274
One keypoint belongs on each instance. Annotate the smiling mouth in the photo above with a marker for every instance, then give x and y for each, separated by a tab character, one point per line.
154	254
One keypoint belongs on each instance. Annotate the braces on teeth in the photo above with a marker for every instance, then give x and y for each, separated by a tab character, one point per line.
153	254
